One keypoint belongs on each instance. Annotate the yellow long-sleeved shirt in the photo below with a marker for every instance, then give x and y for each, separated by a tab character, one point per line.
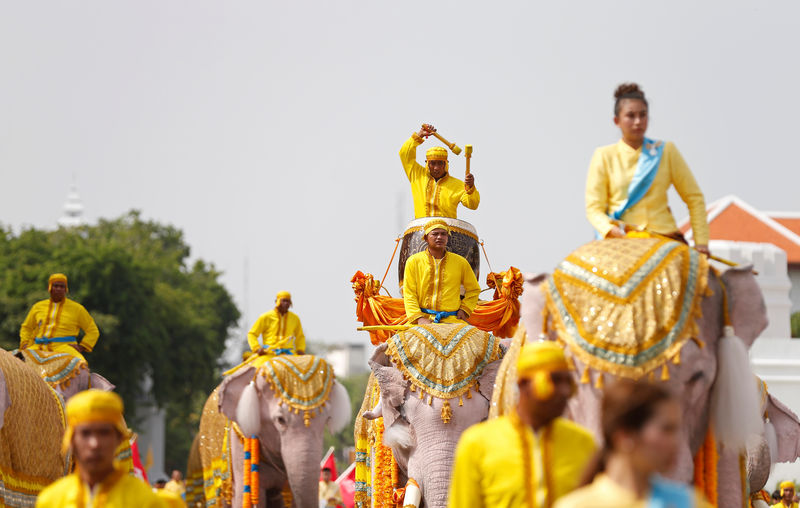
48	319
124	492
489	466
278	332
434	198
610	173
437	286
605	493
780	504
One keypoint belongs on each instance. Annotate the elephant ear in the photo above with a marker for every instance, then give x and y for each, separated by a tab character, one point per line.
533	301
486	380
745	303
231	390
380	357
393	390
787	428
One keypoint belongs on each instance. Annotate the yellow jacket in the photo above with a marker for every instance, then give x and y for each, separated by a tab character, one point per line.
780	504
65	320
278	331
126	491
610	174
434	198
433	286
489	467
605	493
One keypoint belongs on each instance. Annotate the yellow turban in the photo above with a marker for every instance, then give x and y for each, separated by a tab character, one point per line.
94	406
786	485
57	277
281	295
536	361
435	224
436	153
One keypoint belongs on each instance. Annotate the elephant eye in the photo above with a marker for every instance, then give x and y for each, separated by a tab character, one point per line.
280	420
697	376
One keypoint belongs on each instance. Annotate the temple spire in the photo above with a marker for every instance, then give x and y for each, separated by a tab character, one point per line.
73	209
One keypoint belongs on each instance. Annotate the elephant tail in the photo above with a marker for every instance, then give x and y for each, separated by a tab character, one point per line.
248	411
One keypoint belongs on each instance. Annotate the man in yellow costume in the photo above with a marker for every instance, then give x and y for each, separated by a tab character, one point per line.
436	193
280	329
95	428
532	456
433	278
53	324
787	496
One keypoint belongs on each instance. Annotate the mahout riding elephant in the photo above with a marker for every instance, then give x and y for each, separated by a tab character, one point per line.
434	381
565	307
285	402
65	373
32	424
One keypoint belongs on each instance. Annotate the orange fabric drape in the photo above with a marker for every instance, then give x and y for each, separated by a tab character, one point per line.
499	316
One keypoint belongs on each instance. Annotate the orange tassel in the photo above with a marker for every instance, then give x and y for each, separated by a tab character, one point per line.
599	383
664	373
651	376
460	401
585	379
677	358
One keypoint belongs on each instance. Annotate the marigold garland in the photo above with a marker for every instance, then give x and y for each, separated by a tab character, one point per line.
705	468
385	468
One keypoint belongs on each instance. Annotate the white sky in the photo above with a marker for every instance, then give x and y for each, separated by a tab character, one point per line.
269	131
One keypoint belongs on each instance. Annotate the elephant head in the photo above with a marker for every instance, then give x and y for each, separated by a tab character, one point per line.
290	437
423	429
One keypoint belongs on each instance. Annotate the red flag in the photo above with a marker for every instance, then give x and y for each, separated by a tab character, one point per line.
329	462
347	486
137	461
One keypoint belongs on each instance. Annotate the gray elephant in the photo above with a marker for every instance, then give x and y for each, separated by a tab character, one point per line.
691	372
414	372
31	428
286	402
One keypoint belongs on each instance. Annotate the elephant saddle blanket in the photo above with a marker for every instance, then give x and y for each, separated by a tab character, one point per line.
57	369
302	382
443	360
626	306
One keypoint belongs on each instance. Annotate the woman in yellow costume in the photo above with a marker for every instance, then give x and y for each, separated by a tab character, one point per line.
641	425
628	181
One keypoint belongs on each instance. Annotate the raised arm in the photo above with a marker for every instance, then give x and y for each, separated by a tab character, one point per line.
408	152
690	193
471	198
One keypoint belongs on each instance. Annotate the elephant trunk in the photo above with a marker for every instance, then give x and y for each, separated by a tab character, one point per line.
431	466
302	453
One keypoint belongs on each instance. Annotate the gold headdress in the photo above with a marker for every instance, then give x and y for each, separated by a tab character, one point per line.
435	224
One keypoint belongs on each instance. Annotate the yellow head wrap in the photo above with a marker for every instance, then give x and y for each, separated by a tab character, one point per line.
281	295
436	153
786	485
57	277
435	224
94	406
536	361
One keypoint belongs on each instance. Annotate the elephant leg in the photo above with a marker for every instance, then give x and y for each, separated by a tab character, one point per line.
270	478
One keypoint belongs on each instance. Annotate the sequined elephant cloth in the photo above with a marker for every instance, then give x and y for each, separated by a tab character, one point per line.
30	437
443	360
57	369
301	382
627	306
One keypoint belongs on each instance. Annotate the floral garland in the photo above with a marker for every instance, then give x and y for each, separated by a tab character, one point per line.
385	468
705	468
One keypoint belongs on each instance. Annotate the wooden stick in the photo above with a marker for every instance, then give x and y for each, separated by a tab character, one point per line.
455	149
468	155
376	328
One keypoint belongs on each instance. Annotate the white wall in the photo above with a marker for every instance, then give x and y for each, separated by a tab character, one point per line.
794	294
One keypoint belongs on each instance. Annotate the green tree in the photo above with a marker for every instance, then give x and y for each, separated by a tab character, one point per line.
158	316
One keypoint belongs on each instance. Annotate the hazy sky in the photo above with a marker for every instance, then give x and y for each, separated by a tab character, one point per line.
269	131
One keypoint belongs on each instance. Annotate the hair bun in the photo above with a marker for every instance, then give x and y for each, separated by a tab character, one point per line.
628	90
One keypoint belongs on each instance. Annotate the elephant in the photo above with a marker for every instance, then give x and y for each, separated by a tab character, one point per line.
262	401
32	424
422	440
64	373
692	378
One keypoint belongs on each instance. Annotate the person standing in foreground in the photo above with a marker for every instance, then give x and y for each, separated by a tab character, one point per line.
53	324
280	330
435	192
95	428
532	456
329	493
787	496
641	425
433	278
628	181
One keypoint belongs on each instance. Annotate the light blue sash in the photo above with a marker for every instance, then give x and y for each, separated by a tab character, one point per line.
667	494
643	178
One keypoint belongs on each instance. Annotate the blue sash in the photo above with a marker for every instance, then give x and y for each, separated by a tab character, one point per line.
282	351
440	314
646	169
667	494
45	340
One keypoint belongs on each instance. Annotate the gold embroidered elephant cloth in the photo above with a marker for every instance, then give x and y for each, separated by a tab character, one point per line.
627	306
57	369
302	382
